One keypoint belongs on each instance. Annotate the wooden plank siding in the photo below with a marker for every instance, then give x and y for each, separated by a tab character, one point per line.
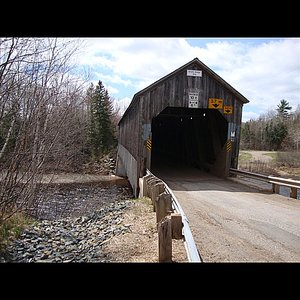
173	91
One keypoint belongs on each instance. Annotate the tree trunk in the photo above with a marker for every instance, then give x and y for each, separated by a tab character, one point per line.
12	123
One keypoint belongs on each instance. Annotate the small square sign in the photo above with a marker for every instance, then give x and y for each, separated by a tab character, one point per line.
193	103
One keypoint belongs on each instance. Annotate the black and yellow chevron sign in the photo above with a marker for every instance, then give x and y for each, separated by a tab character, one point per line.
215	103
149	144
228	146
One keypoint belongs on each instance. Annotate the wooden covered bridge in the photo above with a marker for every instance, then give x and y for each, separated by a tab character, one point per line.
190	116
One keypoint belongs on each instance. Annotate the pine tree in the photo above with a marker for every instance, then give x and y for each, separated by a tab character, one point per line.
107	129
278	135
102	131
283	109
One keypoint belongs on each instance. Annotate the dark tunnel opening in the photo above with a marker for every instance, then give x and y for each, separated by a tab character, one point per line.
188	136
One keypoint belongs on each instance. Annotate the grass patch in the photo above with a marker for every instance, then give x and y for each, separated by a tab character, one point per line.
289	162
283	164
259	167
142	205
244	156
288	159
12	228
145	200
273	155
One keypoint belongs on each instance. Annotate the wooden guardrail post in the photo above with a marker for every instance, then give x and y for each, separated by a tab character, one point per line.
176	222
144	190
156	189
275	188
171	226
149	181
165	240
293	193
163	206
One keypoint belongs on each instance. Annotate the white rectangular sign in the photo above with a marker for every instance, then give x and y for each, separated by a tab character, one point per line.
193	96
193	103
197	73
193	100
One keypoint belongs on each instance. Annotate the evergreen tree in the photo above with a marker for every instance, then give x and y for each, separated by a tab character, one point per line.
273	131
283	109
278	134
247	136
102	131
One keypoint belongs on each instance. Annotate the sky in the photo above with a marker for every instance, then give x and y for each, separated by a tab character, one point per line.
264	70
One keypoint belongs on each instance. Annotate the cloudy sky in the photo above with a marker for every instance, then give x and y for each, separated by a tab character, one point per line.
264	70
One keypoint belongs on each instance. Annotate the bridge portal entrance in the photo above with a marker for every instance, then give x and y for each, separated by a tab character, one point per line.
190	117
190	137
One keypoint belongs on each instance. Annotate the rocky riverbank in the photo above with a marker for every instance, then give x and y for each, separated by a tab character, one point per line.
89	222
78	239
77	199
73	222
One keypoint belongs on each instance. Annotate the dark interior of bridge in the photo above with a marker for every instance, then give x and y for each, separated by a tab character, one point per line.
187	136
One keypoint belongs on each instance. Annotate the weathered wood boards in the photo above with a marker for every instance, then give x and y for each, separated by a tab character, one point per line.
192	86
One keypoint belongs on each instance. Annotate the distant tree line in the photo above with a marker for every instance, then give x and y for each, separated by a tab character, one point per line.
49	120
275	130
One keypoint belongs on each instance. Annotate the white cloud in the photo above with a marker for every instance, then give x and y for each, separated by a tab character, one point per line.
265	72
113	79
268	73
122	104
111	89
246	116
141	59
222	55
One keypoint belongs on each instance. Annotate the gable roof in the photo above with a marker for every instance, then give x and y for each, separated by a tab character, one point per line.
201	65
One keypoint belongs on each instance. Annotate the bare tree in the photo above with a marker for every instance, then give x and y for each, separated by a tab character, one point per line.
41	113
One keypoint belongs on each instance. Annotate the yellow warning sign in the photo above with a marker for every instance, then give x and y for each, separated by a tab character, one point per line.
215	103
228	146
228	109
149	144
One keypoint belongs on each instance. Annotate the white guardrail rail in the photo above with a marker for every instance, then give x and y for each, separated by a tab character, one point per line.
189	243
276	182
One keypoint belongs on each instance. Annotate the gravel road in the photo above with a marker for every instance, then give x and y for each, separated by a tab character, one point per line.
231	222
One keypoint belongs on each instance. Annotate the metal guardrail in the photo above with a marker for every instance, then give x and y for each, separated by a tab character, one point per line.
293	184
189	243
190	246
267	178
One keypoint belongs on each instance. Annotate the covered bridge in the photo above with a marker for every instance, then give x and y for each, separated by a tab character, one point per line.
190	116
